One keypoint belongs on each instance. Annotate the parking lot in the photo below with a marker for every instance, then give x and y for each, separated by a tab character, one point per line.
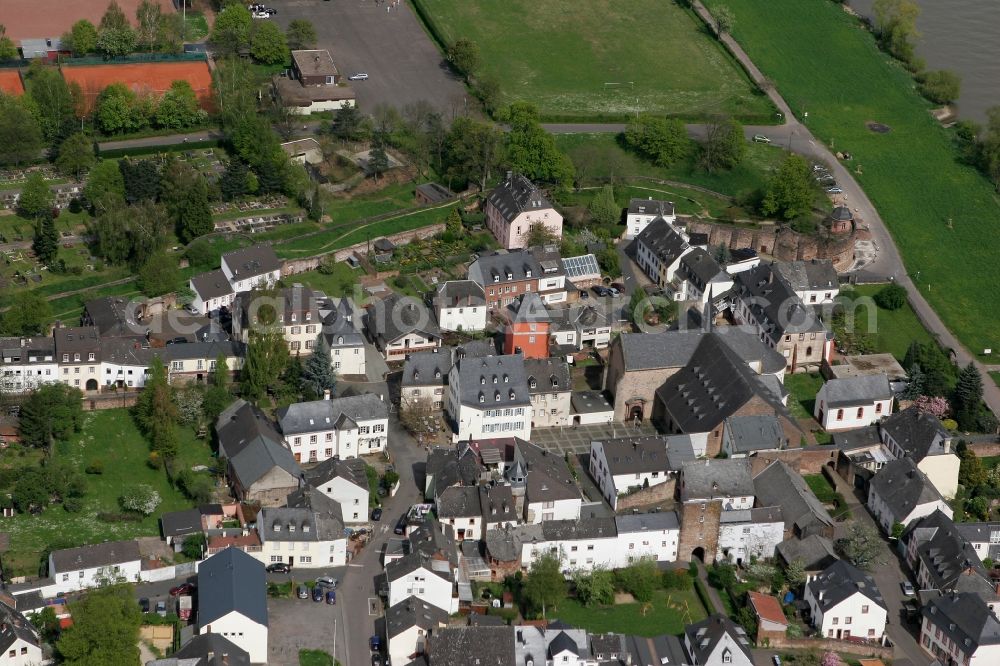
390	46
297	624
576	440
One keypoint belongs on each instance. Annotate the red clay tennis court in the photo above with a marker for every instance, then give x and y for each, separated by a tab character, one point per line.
152	78
10	82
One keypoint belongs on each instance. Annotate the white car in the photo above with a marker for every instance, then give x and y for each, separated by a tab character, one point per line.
360	76
760	138
834	190
261	15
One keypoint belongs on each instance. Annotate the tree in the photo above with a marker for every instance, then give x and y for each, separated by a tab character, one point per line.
595	588
141	179
51	413
115	36
544	586
184	193
453	223
178	107
194	546
939	372
531	150
941	86
301	35
378	160
217	395
639	579
20	134
105	188
659	140
81	38
463	54
348	123
233	183
747	619
119	110
231	31
156	413
29	314
56	108
724	20
724	146
968	397
267	43
861	546
790	192
140	498
472	152
8	49
159	275
604	210
896	25
609	263
539	235
147	17
970	469
795	572
890	297
36	197
189	404
897	530
318	374
76	155
105	629
45	244
266	358
830	659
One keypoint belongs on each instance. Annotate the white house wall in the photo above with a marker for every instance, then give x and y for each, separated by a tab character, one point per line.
243	632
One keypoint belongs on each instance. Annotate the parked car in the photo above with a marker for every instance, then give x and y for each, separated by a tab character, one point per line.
400	527
376	659
261	15
375	643
584	295
834	190
326	581
331	597
618	285
360	76
179	340
601	291
908	588
144	605
279	567
377	514
317	593
614	292
760	138
183	588
819	167
161	608
302	592
777	660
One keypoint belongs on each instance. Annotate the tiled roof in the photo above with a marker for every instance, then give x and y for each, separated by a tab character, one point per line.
516	195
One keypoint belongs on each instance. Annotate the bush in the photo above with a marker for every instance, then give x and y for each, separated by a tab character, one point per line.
154	461
891	297
109	517
678	579
96	467
73	504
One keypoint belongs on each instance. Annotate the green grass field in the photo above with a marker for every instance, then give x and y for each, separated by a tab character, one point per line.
111	437
894	329
825	64
315	658
670	611
802	388
600	59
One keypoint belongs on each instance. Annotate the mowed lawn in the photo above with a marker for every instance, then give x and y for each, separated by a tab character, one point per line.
111	437
668	613
825	64
563	56
893	330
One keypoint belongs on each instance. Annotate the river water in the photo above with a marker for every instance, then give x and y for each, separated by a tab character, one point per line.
963	36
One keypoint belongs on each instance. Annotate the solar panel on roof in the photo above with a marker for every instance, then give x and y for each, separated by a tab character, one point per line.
582	265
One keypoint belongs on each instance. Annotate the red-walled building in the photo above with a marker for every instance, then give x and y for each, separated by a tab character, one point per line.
527	331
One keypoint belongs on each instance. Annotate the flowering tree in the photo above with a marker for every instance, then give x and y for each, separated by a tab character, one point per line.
935	406
830	659
140	498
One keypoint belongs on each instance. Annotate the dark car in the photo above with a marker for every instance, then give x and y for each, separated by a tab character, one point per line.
183	588
179	340
376	659
317	593
302	592
278	567
377	514
601	291
400	527
331	596
144	605
375	643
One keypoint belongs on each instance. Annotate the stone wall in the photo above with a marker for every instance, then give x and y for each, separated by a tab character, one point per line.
699	529
824	644
810	460
652	495
984	449
111	400
782	243
293	266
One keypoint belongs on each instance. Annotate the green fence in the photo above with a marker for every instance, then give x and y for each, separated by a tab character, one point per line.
134	58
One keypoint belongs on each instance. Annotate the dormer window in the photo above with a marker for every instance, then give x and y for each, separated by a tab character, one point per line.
532	383
437	374
506	379
495	379
482	398
340	339
496	396
291	527
482	381
510	276
293	317
305	528
90	356
76	357
309	316
512	394
496	278
527	273
277	527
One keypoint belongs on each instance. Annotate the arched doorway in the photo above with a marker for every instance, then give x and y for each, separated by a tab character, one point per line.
91	384
698	554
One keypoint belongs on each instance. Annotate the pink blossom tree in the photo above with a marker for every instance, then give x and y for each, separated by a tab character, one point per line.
830	659
935	406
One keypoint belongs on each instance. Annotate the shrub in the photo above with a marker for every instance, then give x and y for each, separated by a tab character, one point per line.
155	461
73	504
891	297
109	517
96	467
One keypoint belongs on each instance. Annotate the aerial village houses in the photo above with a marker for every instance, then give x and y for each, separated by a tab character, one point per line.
815	282
643	211
514	206
242	270
20	643
717	641
488	397
901	493
307	532
505	276
921	437
345	482
845	404
460	305
232	601
344	427
845	602
549	387
260	467
400	325
960	629
315	84
425	376
75	569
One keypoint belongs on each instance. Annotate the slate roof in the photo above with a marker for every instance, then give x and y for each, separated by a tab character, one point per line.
856	391
13	627
239	424
459	293
663	241
811	275
965	619
96	555
206	350
212	284
639	206
72	339
435	193
701	267
713	385
492	646
413	612
815	552
944	552
914	432
415	560
497	504
452	466
518	264
774	305
398	315
647	522
705	636
504	544
309	515
572	530
548	476
857	438
673	349
633	455
493	381
250	262
426	368
336	413
459	502
903	487
351	469
231	581
549	375
213	650
663	649
113	315
180	523
709	479
839	582
516	195
754	433
780	485
528	308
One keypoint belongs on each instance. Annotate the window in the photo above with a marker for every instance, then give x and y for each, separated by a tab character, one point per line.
276	558
76	357
878	407
861	412
864	610
840	415
847	620
836	620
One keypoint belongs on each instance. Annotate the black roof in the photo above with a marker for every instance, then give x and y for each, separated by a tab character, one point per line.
779	485
914	431
705	636
663	240
492	646
413	612
13	627
902	486
398	315
96	555
945	554
427	368
774	305
231	581
213	650
840	581
180	523
516	195
252	261
965	619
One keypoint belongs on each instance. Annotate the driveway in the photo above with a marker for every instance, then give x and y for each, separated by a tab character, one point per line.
389	44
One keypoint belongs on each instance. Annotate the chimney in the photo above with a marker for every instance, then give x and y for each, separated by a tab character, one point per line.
326	394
